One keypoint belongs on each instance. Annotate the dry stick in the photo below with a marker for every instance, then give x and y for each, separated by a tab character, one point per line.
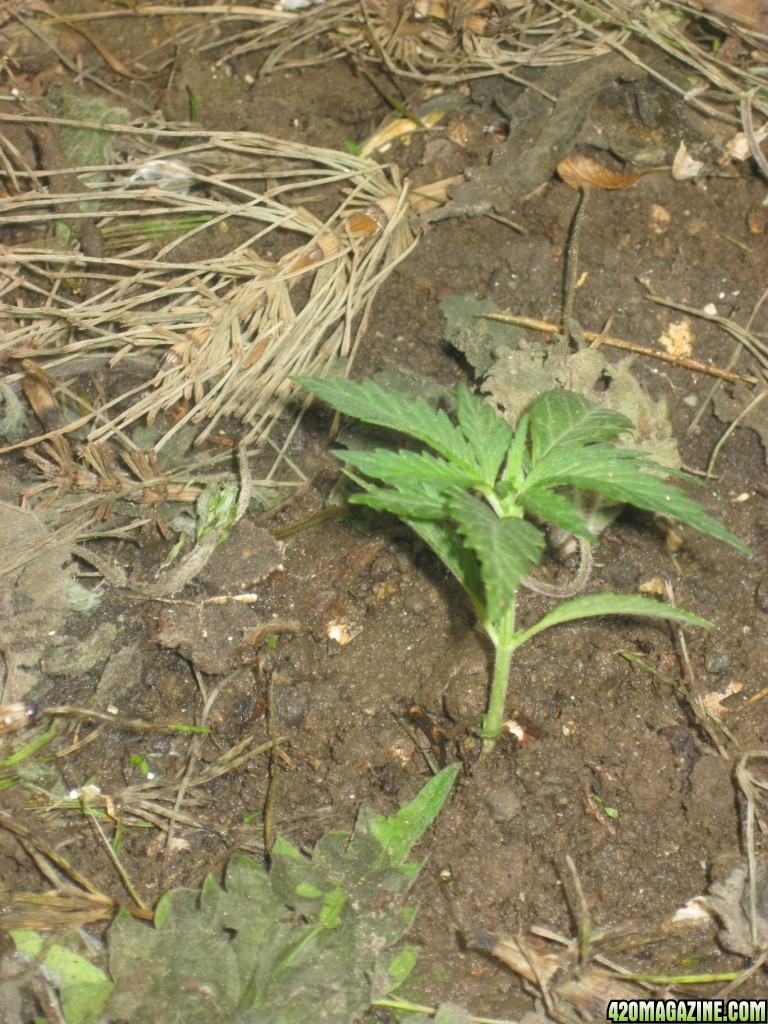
748	783
192	756
571	328
750	342
745	109
274	770
630	346
124	876
131	724
581	912
691	685
747	973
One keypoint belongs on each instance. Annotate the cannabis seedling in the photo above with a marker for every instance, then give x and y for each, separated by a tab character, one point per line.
468	500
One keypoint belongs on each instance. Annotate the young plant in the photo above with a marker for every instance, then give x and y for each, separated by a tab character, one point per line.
469	496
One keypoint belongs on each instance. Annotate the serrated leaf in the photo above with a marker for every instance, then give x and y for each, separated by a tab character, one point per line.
306	941
551	507
505	548
627	477
427	503
564	420
443	539
402	468
518	458
371	403
488	435
593	605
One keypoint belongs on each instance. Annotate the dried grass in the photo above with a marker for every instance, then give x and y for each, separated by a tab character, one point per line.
221	334
693	40
449	41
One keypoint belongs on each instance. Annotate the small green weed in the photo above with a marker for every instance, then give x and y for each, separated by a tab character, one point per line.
468	500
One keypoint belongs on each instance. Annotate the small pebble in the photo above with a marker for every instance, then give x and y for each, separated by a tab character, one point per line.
503	803
717	663
761	596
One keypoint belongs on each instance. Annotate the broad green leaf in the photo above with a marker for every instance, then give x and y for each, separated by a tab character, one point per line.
567	421
627	477
593	605
551	507
488	435
401	966
426	503
505	548
371	403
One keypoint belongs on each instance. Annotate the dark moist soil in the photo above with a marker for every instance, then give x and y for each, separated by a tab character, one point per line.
615	770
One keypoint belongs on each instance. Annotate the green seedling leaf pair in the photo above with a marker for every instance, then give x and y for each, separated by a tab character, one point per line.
469	496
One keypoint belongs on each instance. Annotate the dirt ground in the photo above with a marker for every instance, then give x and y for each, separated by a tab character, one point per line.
617	769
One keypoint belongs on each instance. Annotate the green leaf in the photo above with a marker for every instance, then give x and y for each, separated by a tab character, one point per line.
401	966
551	507
565	420
309	940
517	456
593	605
505	548
488	435
424	503
626	477
371	403
443	539
404	468
83	986
398	834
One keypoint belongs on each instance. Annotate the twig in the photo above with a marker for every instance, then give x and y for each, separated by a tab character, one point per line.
192	756
749	784
745	109
630	346
573	332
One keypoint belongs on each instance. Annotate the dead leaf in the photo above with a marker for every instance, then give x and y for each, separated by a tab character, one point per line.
684	166
713	701
582	172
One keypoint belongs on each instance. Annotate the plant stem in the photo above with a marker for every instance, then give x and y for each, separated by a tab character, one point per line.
505	643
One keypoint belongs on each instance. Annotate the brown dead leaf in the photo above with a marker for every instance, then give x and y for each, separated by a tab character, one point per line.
713	701
580	171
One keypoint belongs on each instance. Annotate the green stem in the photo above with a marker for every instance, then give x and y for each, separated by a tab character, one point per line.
505	643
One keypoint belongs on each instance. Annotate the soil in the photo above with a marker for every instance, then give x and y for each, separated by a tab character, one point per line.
616	769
